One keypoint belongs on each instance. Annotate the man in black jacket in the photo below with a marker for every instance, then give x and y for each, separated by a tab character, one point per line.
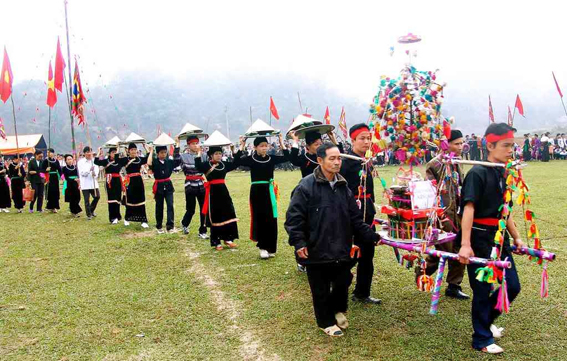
37	182
361	184
321	220
163	166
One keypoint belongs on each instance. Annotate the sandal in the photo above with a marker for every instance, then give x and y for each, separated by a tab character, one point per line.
333	331
342	321
231	244
219	247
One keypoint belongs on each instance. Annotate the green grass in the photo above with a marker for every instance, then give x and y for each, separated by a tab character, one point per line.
77	290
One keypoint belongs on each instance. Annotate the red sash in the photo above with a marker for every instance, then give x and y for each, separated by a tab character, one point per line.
492	222
128	176
193	177
156	181
208	192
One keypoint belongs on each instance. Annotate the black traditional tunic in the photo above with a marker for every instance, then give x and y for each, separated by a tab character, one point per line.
263	198
305	161
135	192
17	175
71	190
114	187
4	188
221	217
52	187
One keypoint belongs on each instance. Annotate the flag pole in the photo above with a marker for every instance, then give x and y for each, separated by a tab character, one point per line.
70	82
226	119
250	114
15	126
300	106
564	109
49	129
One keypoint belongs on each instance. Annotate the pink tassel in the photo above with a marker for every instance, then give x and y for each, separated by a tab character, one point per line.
544	282
503	304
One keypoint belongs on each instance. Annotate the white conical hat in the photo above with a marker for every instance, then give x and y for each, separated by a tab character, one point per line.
302	120
163	139
134	138
260	126
217	139
189	128
112	142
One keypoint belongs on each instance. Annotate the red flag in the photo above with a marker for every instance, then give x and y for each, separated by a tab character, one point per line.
342	123
6	78
557	85
327	116
510	119
490	110
59	68
78	96
51	93
519	105
273	109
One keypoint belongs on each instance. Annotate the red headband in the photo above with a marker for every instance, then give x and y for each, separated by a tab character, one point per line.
193	140
493	138
355	134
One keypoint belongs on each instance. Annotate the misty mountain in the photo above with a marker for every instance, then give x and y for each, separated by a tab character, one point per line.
144	102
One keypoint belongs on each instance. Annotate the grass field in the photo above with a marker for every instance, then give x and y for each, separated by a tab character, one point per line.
73	289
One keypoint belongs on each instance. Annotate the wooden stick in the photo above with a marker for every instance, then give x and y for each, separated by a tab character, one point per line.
15	127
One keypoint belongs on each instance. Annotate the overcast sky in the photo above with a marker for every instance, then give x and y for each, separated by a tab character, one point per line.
500	47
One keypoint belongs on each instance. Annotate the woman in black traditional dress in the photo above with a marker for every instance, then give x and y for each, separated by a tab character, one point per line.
218	207
263	194
71	187
5	202
53	168
17	174
135	192
113	183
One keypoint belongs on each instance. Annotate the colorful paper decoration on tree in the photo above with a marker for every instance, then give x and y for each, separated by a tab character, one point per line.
406	115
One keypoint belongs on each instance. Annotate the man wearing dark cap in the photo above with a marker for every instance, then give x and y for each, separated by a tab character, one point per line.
363	191
450	197
37	182
194	186
53	171
307	160
162	167
482	199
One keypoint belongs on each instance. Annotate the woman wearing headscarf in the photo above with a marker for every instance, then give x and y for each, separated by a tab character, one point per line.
135	192
113	183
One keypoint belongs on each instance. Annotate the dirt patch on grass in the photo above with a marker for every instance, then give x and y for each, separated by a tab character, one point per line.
250	348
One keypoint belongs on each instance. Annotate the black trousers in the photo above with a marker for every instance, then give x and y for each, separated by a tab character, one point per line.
365	267
191	199
168	197
38	196
90	207
484	299
329	283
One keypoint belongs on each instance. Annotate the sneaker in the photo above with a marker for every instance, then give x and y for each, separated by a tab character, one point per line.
145	225
301	268
160	231
115	221
20	210
333	331
31	210
369	300
55	211
172	230
493	349
456	292
76	215
342	321
89	218
94	214
6	210
126	223
264	254
497	332
203	235
231	244
185	229
272	255
219	247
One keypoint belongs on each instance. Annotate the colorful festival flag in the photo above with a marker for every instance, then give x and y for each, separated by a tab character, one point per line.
51	93
273	109
78	96
327	116
342	123
6	78
2	130
59	68
557	85
519	105
490	110
510	119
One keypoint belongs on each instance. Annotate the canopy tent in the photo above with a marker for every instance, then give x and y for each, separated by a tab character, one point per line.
28	144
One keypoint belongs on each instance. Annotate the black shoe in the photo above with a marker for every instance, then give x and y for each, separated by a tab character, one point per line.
370	300
455	292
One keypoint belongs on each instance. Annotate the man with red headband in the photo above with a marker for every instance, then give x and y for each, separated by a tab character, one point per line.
482	196
194	187
363	192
